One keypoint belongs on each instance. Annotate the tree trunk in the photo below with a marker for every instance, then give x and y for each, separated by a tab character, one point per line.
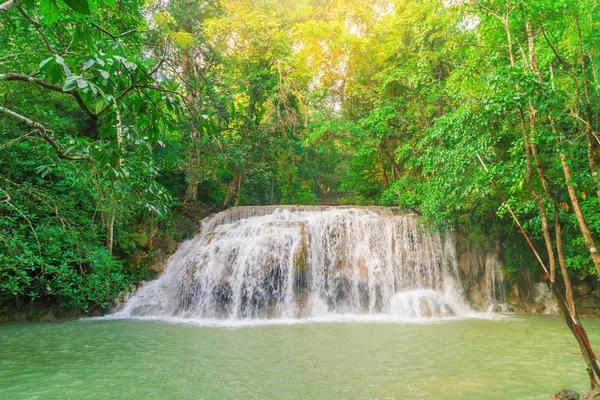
592	156
591	146
572	321
561	260
386	180
393	163
232	189
191	191
583	227
272	190
532	150
110	229
570	318
238	191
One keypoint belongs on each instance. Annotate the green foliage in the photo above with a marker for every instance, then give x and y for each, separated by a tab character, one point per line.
293	190
85	165
114	113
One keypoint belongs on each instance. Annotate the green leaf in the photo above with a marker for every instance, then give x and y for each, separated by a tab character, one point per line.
104	74
95	89
50	10
129	65
89	64
80	6
60	61
46	61
71	83
55	73
99	106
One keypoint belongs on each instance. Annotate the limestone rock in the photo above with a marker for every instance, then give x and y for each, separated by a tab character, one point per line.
536	309
582	289
591	302
593	395
565	394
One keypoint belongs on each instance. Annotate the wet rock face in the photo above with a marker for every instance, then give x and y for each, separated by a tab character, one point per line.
591	302
587	297
471	266
496	308
483	281
522	293
582	289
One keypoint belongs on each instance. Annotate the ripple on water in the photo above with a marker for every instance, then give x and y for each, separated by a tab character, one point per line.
333	357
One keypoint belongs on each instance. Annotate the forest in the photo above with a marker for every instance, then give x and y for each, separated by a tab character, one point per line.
118	115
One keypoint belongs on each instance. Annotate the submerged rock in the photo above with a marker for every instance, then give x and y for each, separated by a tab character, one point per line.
565	394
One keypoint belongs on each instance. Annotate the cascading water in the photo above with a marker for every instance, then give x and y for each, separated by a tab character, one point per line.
495	285
295	262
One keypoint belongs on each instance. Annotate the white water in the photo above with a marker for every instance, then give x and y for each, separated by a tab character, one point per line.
495	284
307	263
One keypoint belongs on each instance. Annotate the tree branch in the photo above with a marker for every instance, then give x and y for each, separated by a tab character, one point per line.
7	5
18	77
587	124
175	94
135	84
489	10
555	50
49	86
113	36
37	26
188	83
7	144
149	87
43	133
28	122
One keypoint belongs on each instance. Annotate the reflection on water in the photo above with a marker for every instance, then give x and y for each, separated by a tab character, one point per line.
348	358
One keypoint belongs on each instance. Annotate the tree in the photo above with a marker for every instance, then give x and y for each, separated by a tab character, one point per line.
516	109
84	105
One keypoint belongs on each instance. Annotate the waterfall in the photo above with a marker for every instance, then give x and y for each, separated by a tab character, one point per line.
495	285
303	261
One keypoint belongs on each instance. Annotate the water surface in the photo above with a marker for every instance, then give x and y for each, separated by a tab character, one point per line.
523	357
